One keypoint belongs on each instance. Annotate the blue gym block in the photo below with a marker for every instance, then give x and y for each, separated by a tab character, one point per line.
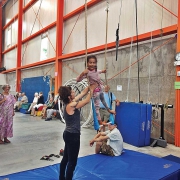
148	124
22	111
132	123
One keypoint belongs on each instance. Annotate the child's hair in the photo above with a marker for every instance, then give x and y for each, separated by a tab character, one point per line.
91	57
64	92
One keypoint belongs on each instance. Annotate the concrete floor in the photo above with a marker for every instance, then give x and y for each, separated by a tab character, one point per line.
34	137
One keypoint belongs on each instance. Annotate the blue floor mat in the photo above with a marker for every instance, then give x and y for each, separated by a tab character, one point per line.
130	165
172	158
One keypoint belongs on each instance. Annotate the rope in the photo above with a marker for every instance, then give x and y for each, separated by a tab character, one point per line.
150	58
130	60
117	33
86	33
161	34
137	51
142	57
105	63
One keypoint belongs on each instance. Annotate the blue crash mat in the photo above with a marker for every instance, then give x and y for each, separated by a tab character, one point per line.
134	123
130	165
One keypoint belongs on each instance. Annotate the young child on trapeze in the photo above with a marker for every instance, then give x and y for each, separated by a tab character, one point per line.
92	74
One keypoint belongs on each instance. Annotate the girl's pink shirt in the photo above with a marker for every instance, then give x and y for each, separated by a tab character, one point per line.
93	77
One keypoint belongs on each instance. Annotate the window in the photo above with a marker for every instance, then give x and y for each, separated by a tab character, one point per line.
44	47
9	36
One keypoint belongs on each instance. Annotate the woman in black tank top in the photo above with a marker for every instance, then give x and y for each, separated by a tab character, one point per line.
71	133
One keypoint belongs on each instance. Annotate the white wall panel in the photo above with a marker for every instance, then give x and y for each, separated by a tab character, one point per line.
9	59
71	5
11	80
3	79
52	43
46	10
150	17
31	51
10	10
14	31
39	71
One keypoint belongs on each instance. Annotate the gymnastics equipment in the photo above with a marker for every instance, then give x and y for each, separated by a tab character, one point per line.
134	123
160	141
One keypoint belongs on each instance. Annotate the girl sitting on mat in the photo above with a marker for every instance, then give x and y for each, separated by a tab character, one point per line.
92	74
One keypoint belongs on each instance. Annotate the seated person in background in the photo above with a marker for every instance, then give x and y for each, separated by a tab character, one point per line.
33	103
55	109
49	105
50	95
109	142
109	98
40	103
19	97
16	96
23	100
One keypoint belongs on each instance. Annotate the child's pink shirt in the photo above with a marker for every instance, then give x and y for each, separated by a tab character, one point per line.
93	77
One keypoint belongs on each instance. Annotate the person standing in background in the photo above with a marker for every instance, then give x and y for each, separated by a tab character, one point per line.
6	115
109	98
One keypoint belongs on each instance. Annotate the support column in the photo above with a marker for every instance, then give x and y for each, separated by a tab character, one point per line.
177	103
1	34
19	46
59	38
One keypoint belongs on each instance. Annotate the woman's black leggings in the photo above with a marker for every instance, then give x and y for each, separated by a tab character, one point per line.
71	151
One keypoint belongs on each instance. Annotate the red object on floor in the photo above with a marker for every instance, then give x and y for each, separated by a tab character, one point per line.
40	108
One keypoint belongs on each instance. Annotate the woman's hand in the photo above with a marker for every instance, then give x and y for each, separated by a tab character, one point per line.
93	87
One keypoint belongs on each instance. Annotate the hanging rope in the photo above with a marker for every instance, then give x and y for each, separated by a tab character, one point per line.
130	60
161	35
137	51
105	62
117	33
150	58
86	32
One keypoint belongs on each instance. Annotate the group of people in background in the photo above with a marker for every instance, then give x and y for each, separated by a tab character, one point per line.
49	108
21	98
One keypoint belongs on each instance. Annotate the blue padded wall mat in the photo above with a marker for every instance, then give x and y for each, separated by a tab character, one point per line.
148	124
35	84
132	119
130	165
